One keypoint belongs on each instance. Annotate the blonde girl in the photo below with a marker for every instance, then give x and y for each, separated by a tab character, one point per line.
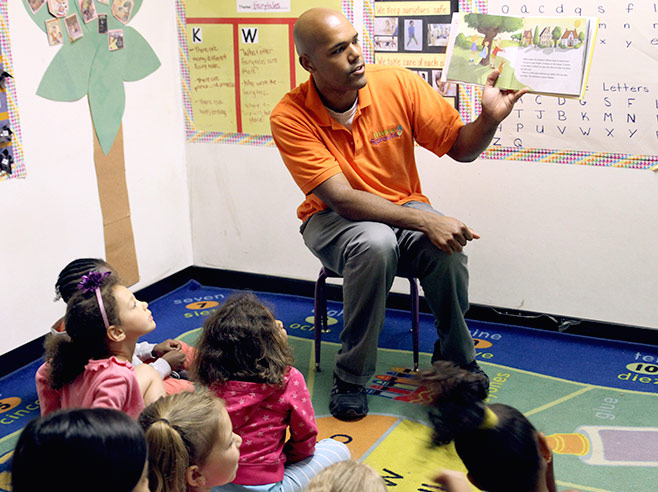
347	476
192	446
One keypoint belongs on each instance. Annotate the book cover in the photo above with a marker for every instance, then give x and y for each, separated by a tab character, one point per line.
549	55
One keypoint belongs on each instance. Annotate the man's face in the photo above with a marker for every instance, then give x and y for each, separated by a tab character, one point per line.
337	61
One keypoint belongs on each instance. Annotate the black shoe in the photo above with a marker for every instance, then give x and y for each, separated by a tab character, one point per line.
436	355
476	369
348	401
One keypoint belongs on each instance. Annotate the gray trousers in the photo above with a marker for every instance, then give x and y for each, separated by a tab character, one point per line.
368	255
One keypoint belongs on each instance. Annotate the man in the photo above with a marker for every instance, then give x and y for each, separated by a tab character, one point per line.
347	137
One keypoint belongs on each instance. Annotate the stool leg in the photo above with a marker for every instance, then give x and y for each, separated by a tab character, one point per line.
415	317
320	307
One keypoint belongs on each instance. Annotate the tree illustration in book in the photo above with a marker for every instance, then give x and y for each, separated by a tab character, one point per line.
98	52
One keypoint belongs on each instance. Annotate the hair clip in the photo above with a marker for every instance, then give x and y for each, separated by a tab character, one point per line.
490	419
92	281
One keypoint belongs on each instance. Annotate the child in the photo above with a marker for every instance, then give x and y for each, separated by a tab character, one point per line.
191	442
171	356
347	476
101	449
90	367
500	448
243	356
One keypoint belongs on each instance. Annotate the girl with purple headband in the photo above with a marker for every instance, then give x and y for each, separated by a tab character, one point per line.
91	367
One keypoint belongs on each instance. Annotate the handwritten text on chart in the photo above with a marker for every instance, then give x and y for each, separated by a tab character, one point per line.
259	86
412	60
247	6
212	80
411	8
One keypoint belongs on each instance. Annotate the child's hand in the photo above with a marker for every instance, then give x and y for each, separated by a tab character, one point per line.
453	481
279	325
175	358
167	346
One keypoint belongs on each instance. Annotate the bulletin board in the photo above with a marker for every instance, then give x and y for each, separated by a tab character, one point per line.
12	165
616	124
414	35
237	61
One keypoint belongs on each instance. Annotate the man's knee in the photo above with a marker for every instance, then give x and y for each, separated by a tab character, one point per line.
376	242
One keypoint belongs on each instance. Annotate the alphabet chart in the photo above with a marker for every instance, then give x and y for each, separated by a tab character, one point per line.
616	124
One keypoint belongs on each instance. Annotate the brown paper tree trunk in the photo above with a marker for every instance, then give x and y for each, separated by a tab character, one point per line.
115	208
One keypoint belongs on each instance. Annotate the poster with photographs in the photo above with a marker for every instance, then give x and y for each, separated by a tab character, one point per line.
414	34
54	32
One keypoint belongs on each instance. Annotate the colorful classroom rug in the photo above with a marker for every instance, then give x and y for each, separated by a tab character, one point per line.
597	400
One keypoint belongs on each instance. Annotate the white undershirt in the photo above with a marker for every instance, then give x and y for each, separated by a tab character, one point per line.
347	117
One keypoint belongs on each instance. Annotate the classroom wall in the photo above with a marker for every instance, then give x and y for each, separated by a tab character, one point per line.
53	216
577	241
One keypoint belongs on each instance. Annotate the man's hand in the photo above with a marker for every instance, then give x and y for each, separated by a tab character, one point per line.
453	481
498	103
447	233
176	359
167	346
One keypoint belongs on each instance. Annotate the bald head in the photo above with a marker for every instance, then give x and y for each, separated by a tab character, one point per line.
313	27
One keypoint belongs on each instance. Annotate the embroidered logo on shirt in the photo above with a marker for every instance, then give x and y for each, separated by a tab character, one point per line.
385	135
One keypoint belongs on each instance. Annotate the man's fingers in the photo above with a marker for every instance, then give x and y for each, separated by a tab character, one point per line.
491	78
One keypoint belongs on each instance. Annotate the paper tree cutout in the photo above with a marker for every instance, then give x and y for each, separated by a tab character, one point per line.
87	67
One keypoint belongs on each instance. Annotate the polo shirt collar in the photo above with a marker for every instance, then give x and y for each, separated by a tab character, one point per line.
315	105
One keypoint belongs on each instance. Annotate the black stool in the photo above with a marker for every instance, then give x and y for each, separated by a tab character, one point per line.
321	313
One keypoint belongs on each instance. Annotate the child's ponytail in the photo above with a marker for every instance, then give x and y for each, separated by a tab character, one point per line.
86	329
457	400
497	443
180	430
168	456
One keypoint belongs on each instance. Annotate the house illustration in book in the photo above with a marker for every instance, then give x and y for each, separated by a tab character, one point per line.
569	39
526	39
545	38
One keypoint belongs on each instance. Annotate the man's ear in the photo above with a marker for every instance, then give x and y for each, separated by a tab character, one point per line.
115	333
194	477
306	63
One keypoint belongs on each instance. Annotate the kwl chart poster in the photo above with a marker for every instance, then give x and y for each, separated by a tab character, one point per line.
238	60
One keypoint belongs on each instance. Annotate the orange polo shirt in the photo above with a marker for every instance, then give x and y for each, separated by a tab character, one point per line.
395	108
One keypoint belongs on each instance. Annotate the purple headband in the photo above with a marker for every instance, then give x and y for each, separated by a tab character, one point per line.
92	283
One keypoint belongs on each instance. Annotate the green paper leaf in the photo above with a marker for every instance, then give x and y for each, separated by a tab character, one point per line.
107	99
137	59
67	76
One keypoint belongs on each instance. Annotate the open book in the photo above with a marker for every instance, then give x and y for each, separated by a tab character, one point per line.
549	55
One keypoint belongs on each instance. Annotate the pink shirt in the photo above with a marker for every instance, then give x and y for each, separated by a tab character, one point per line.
108	383
260	414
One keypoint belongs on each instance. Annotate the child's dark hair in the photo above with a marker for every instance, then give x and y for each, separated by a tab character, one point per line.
86	334
501	455
106	447
241	342
69	277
